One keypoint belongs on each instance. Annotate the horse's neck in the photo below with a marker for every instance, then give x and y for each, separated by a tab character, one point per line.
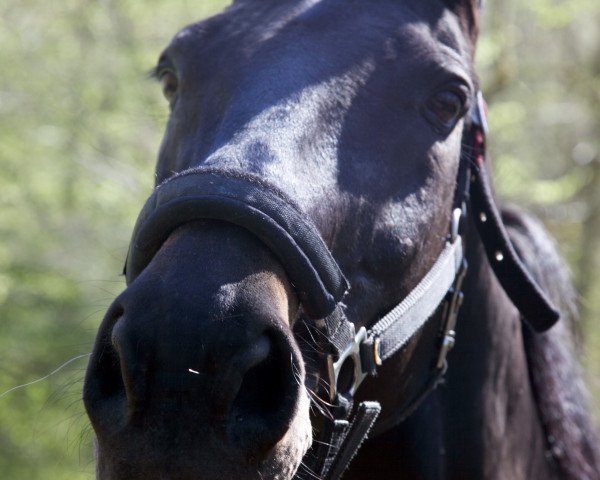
491	424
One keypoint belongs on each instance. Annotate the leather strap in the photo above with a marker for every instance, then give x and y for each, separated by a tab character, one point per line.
396	328
517	282
339	440
251	203
368	349
351	439
341	436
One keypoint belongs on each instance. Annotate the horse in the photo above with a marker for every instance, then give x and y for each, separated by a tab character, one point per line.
322	282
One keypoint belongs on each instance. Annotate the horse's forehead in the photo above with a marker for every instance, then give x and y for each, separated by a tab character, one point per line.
423	26
266	66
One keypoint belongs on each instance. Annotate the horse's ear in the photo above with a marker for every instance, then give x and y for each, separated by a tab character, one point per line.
469	13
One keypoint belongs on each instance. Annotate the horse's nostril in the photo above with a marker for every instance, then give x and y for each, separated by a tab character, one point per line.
104	389
258	389
253	356
229	382
131	361
262	410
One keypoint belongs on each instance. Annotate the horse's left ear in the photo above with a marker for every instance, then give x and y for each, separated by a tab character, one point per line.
469	13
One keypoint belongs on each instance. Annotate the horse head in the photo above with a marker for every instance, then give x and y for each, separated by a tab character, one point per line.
310	161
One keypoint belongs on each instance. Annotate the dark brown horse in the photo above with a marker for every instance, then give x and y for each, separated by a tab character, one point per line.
324	165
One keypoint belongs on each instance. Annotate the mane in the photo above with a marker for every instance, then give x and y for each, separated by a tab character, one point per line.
553	369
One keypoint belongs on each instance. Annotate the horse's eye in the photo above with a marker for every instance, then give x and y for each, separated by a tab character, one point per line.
444	109
168	82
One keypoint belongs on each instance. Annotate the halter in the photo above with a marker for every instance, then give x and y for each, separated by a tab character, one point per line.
248	201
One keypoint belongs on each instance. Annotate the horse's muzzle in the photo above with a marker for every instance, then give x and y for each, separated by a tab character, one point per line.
202	336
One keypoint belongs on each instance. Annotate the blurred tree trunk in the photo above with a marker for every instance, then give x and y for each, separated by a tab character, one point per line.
588	281
498	15
589	264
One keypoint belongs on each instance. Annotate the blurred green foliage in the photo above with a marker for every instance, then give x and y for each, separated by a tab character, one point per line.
80	125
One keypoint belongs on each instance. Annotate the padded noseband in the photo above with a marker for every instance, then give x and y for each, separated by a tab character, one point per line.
251	203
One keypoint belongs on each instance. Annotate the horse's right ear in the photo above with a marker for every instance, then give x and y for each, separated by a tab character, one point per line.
469	13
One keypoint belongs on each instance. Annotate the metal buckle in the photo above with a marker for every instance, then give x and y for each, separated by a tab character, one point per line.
334	368
453	306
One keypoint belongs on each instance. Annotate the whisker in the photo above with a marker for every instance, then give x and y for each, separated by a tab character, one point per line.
315	406
45	377
307	469
309	330
323	443
296	372
319	404
311	344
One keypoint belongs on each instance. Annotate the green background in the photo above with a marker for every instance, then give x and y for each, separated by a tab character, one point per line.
80	124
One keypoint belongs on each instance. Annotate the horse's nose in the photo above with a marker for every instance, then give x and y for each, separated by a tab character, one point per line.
256	394
213	353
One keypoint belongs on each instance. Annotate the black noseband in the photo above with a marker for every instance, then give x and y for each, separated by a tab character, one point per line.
251	203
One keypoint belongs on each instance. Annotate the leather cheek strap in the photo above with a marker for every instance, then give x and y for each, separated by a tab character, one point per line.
517	282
